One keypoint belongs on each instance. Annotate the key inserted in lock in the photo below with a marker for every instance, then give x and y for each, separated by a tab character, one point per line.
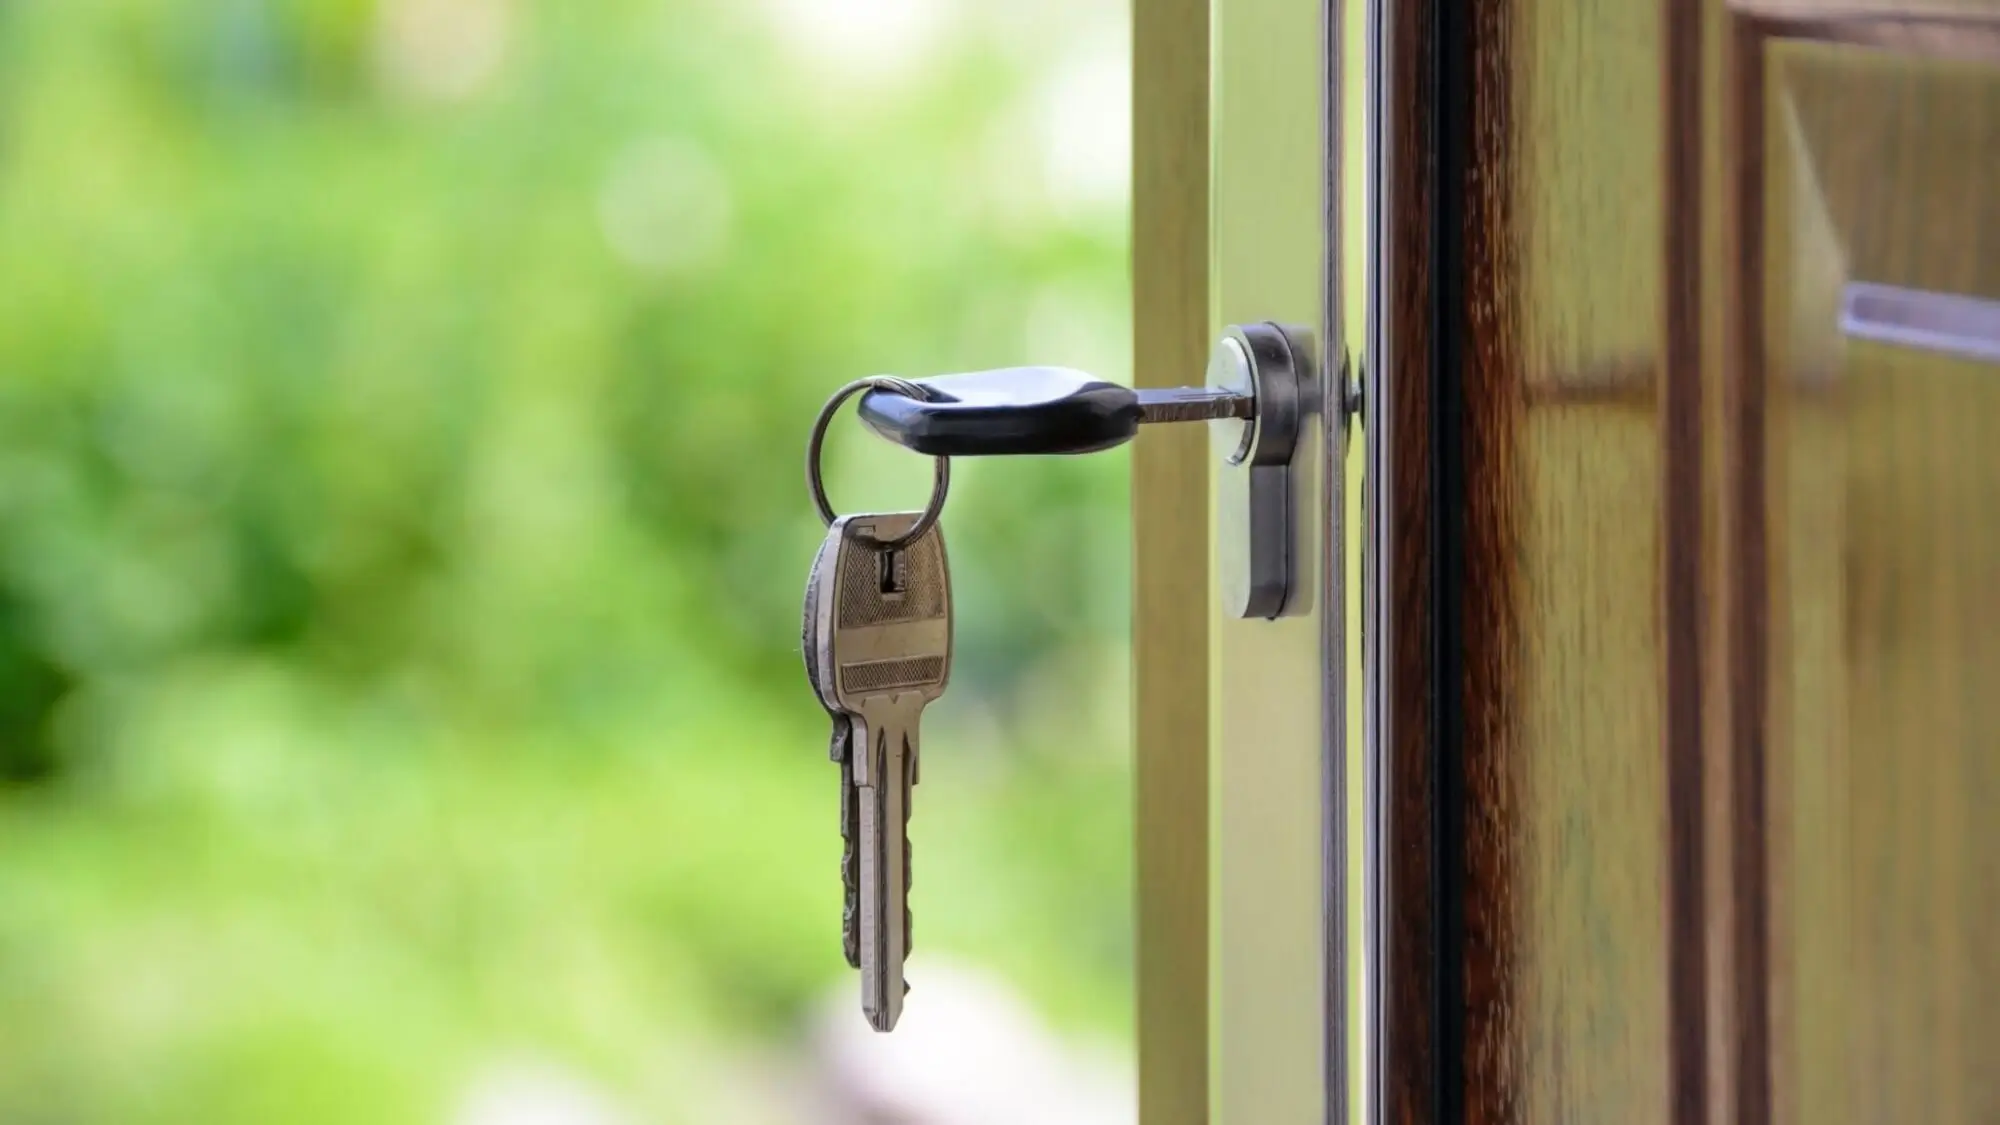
1255	398
1021	411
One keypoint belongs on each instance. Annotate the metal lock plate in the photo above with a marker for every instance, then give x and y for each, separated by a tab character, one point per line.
1256	527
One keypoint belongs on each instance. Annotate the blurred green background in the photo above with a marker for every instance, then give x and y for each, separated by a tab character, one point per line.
402	535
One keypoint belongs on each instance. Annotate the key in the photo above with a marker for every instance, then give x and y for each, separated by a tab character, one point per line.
817	580
890	649
1037	410
886	651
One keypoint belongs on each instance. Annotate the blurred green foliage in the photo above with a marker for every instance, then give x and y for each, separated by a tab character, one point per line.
402	534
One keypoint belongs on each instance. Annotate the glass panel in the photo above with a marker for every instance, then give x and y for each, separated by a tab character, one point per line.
1885	569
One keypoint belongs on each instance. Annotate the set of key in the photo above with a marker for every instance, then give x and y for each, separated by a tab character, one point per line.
878	624
877	641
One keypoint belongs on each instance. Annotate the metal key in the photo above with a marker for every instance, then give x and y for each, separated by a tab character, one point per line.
885	641
819	582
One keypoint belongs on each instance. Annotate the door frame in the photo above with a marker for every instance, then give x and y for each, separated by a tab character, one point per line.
1170	618
1244	997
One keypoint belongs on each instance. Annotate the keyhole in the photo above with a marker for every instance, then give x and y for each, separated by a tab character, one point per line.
893	574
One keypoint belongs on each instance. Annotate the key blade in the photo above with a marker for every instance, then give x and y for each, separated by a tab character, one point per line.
885	812
1193	404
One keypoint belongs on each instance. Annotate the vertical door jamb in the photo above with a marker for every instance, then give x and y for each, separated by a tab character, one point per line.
1170	638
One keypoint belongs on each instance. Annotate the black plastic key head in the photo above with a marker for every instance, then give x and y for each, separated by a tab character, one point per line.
1008	412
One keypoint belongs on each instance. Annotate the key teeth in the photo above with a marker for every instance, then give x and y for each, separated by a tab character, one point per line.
850	867
850	923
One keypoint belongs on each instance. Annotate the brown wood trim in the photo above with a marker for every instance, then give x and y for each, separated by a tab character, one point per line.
1479	463
1630	384
1971	36
1402	569
1170	146
1680	405
1746	598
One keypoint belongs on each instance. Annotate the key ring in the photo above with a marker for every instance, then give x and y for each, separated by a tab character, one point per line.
932	510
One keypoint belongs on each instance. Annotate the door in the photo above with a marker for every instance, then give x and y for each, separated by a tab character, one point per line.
1683	643
1674	682
1870	640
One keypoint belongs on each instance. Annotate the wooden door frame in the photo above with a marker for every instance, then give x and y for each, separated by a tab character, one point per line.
1406	1076
1440	604
1170	614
